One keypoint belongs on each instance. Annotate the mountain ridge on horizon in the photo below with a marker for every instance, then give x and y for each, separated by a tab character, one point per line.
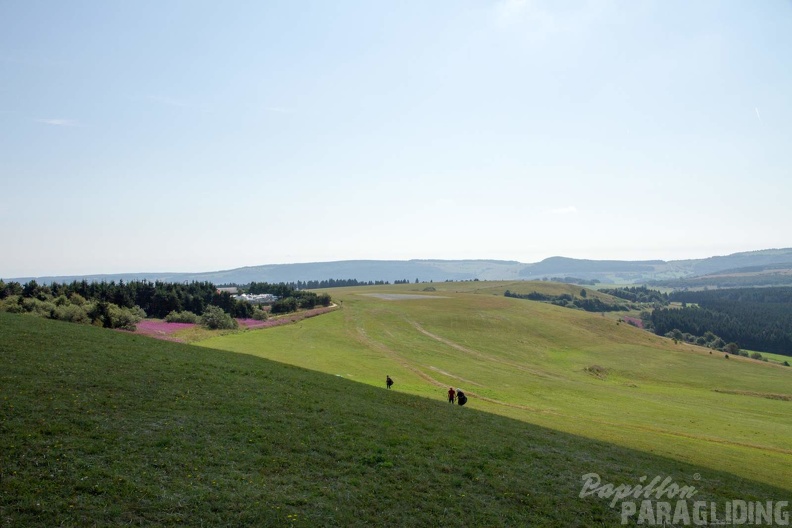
426	270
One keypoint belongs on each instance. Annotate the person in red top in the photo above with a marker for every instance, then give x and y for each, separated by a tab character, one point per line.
451	395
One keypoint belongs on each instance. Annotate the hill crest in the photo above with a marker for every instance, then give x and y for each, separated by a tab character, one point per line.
438	270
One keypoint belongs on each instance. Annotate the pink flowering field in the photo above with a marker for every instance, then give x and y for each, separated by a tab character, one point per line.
163	330
634	320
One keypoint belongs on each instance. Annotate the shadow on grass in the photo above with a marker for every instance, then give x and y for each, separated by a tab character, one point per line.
102	428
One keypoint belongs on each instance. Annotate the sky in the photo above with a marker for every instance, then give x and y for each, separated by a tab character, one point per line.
189	136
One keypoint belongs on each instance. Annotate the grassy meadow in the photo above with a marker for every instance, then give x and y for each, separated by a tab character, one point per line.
567	370
107	428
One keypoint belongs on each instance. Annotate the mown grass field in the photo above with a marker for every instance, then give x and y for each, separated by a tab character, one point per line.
563	369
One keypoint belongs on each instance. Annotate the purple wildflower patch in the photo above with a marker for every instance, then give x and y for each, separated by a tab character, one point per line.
160	329
633	321
164	330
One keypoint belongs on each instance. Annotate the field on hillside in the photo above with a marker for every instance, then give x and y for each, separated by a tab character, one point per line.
567	370
103	428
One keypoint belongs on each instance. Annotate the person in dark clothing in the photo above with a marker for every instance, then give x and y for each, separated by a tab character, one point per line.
388	381
461	398
451	395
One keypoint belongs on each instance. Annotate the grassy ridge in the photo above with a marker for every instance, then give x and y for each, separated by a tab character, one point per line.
563	369
103	428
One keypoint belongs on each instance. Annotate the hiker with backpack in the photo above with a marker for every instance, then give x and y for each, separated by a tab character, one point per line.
461	398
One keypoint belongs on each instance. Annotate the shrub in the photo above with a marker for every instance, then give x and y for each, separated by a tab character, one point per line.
286	305
215	318
72	313
675	334
109	315
38	307
11	304
324	299
182	317
76	298
124	318
259	315
756	355
718	344
307	303
786	363
61	300
95	313
732	348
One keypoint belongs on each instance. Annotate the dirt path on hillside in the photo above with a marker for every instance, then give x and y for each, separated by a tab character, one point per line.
480	355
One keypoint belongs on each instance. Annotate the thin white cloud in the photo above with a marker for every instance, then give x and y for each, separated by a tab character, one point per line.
60	122
757	113
569	209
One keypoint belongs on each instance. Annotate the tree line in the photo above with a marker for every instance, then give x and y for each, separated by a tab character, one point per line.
639	294
156	299
123	304
305	285
569	301
290	299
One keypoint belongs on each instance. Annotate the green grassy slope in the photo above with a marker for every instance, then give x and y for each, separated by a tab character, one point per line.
534	362
101	428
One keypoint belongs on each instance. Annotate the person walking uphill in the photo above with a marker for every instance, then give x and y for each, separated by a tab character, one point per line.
388	381
451	395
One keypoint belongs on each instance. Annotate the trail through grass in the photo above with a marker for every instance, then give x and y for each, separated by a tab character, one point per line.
101	428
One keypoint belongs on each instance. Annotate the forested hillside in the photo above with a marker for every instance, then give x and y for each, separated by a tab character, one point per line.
754	318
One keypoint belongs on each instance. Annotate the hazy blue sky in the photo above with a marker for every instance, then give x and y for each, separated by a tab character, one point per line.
197	136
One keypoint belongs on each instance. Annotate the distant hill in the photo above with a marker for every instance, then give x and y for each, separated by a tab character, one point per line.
764	257
362	270
606	271
750	276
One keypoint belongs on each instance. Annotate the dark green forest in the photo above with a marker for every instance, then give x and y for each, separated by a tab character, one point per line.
754	318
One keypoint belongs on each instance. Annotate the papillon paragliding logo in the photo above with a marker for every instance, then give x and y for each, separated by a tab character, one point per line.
662	502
